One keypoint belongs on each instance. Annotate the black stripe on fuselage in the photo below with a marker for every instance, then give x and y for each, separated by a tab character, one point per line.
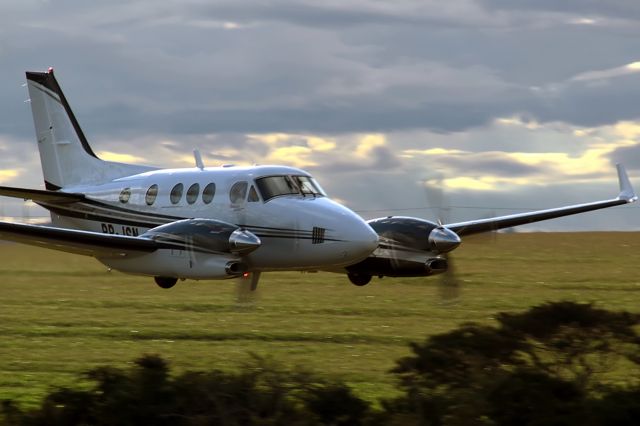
89	209
100	204
100	218
157	220
256	227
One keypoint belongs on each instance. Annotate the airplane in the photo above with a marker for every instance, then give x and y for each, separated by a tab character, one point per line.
223	222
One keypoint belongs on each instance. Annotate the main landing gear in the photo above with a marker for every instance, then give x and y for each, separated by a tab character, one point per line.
359	279
165	282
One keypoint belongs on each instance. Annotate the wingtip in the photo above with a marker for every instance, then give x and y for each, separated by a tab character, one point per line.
626	190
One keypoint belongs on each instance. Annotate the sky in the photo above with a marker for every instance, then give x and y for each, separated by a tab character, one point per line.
460	109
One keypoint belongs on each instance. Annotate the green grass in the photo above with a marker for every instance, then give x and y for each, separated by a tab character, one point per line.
62	314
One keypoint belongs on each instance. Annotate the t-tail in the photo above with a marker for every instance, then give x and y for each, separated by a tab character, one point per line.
66	156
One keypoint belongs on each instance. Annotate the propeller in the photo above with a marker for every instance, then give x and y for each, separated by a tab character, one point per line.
246	289
449	283
443	240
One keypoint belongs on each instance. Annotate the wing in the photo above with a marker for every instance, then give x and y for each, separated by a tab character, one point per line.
79	242
626	195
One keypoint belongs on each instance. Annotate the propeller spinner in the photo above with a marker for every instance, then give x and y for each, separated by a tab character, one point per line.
443	240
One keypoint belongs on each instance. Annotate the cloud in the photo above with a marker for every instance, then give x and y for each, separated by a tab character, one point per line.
611	8
631	68
121	158
335	67
8	174
490	94
297	156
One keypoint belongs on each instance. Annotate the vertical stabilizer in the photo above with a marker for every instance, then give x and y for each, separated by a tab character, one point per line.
66	157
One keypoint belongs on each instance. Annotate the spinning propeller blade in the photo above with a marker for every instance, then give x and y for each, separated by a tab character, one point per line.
449	283
246	289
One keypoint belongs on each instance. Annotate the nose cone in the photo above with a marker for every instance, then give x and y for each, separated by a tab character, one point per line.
358	239
362	239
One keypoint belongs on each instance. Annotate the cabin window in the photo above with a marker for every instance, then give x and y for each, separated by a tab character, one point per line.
208	193
192	193
253	195
125	194
151	195
238	192
176	193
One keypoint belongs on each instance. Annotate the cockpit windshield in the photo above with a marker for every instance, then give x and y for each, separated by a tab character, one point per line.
275	186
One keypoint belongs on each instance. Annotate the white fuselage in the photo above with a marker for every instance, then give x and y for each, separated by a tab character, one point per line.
303	231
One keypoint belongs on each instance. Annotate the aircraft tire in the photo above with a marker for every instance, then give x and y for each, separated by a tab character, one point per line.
165	282
359	279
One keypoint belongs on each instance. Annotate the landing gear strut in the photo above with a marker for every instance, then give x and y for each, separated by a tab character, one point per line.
165	282
359	279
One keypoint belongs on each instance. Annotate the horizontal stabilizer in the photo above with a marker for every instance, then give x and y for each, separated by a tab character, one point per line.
53	197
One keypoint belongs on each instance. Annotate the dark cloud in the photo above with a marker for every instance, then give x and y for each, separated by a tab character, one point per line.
628	155
341	14
307	67
591	103
610	8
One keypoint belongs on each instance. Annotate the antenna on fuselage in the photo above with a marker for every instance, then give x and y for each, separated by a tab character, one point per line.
198	158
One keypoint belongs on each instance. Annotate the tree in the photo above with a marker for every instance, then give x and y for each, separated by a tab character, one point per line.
544	366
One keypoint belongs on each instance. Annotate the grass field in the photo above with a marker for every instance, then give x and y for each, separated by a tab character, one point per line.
62	314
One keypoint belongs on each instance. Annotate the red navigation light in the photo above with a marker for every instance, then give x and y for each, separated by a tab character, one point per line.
246	275
50	70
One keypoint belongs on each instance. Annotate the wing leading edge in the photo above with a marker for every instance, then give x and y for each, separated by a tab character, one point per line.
626	195
74	241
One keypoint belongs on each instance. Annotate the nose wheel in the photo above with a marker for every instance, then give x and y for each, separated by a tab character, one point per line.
359	279
165	282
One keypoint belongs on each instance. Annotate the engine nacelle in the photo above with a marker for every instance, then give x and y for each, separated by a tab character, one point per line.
205	235
192	248
437	265
409	247
179	264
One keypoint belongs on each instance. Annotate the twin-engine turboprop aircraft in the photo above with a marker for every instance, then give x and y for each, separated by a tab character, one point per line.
222	222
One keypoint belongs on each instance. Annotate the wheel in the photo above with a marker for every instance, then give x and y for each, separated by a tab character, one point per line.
359	279
165	282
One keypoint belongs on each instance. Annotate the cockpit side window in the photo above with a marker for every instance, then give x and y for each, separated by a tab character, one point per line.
253	195
238	192
308	186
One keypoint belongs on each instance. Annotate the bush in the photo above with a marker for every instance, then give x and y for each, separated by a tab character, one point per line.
545	366
261	393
